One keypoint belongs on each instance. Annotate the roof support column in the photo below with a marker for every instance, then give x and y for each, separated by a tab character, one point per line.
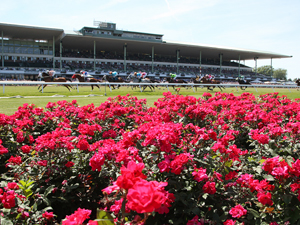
53	51
177	57
200	60
239	65
271	69
125	48
2	49
152	70
60	54
221	56
94	55
255	59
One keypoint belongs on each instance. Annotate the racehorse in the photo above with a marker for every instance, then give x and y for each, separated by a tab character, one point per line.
135	79
243	82
215	83
112	79
196	80
298	83
81	79
175	81
48	78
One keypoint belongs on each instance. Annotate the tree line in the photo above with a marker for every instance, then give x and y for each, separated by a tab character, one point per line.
268	70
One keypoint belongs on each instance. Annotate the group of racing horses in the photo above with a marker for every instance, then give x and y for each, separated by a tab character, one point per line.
146	82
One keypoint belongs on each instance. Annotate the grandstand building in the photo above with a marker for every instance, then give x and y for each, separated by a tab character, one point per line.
25	50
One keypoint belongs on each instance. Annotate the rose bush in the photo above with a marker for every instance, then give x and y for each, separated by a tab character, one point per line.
220	159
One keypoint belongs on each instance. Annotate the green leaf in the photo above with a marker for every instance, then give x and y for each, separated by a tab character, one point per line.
104	218
253	212
27	192
205	195
23	183
5	221
48	190
269	177
196	210
47	208
47	201
228	163
287	199
258	169
289	159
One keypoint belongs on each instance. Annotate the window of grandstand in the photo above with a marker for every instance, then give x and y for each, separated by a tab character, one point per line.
140	36
44	41
27	47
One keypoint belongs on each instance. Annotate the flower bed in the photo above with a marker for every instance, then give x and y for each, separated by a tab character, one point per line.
214	160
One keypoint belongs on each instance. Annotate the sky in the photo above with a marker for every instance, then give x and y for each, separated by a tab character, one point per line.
264	25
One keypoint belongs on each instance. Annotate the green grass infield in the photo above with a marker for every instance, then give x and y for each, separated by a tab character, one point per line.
11	97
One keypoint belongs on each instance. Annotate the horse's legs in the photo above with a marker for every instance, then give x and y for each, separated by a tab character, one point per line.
67	86
43	87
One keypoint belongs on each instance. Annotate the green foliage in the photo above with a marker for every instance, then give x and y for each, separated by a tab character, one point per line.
266	70
26	186
280	74
104	218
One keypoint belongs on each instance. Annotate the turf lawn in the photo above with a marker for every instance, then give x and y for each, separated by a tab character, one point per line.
15	96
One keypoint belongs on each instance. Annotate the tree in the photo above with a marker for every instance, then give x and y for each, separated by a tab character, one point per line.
280	74
266	70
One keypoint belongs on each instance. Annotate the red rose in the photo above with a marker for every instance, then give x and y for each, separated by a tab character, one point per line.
209	187
83	145
144	197
97	161
229	222
265	199
26	149
2	149
237	211
130	175
42	163
69	164
8	199
48	215
13	186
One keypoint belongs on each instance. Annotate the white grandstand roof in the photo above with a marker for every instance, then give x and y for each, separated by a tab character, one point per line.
29	32
220	47
74	40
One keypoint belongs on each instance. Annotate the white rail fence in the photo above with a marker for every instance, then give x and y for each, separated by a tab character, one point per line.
167	85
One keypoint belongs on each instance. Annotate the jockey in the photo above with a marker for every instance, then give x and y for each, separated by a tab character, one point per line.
173	76
139	75
83	74
114	74
144	74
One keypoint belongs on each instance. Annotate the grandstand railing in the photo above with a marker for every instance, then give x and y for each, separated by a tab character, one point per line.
167	85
